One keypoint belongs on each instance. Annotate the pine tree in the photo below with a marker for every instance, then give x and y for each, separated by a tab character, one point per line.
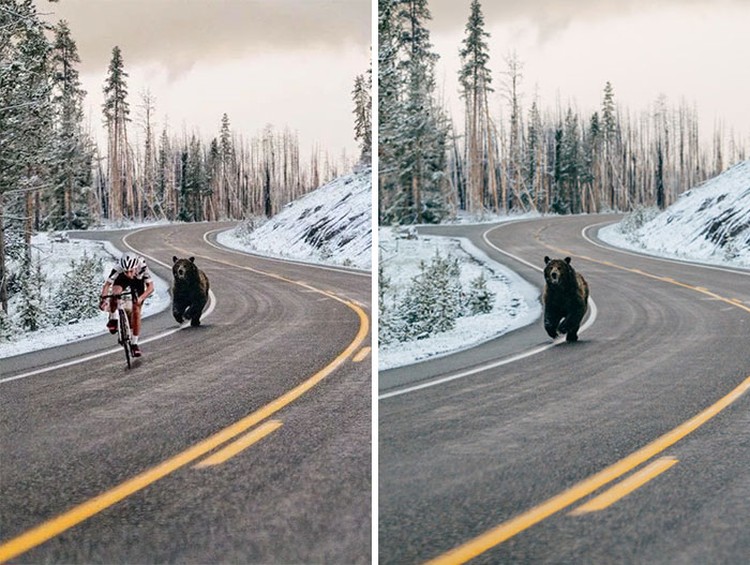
77	296
609	136
25	124
433	301
414	132
31	312
227	170
390	196
533	170
475	78
480	299
424	130
116	111
363	117
72	151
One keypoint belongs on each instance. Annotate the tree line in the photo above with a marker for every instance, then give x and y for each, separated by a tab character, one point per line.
530	159
54	176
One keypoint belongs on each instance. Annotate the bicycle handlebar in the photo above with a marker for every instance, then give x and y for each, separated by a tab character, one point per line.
125	293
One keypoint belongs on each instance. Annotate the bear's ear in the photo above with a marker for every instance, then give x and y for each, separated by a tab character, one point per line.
174	259
567	260
546	259
192	259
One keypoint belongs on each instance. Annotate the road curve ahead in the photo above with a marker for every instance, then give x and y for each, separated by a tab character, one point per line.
630	446
245	440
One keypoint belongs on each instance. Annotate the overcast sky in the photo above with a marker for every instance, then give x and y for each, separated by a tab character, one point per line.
693	49
284	62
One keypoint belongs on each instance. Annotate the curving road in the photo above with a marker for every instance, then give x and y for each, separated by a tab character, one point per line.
245	440
630	446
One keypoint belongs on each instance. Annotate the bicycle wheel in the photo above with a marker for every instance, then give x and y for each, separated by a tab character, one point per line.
125	334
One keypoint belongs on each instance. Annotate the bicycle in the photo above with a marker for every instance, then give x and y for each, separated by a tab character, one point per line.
124	333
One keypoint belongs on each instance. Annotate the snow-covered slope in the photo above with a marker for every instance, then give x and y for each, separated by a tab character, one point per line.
329	225
709	223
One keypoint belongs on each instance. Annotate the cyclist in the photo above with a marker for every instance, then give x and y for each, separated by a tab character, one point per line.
130	271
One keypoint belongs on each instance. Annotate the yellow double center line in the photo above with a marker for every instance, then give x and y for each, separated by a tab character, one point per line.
507	530
78	514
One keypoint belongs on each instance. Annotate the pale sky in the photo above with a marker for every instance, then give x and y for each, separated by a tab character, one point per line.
282	62
696	50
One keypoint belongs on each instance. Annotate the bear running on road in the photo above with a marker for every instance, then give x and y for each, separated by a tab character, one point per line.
565	298
189	291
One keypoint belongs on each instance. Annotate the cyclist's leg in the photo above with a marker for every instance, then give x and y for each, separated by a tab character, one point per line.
135	318
114	290
137	287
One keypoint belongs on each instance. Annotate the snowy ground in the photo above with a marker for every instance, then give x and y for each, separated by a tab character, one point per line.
708	224
56	257
331	225
517	302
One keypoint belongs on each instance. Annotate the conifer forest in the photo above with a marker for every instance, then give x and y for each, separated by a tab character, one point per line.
510	157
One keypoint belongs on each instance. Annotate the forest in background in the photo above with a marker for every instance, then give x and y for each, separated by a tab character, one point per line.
53	176
514	158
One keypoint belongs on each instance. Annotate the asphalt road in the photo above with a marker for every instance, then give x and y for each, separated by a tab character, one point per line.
100	464
506	464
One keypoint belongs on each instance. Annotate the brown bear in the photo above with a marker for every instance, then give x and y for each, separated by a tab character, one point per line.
565	298
189	291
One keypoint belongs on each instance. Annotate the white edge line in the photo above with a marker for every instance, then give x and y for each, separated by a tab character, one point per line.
211	307
494	364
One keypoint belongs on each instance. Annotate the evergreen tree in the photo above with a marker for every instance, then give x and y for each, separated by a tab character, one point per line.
474	79
570	165
116	112
433	301
424	130
609	136
165	204
31	312
389	109
72	150
25	124
415	133
534	162
226	147
6	326
363	118
77	296
481	299
559	203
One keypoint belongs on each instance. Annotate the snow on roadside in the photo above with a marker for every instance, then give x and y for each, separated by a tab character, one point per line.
55	259
709	223
331	225
516	304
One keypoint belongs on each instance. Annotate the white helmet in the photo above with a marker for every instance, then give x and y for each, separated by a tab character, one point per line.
130	261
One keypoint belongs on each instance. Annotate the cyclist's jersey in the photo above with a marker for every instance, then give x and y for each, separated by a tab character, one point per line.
143	275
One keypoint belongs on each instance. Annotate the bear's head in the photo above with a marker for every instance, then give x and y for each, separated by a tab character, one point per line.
557	271
184	268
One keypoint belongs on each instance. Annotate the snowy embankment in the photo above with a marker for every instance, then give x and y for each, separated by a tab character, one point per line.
331	225
516	302
54	254
709	223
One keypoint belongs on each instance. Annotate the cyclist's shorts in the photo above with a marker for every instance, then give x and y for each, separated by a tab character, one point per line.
138	286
